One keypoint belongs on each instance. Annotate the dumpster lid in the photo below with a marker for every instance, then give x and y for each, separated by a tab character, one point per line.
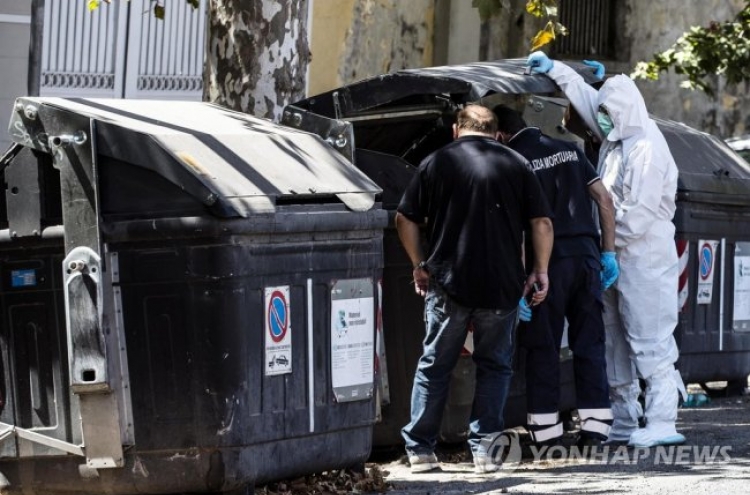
247	162
706	163
467	82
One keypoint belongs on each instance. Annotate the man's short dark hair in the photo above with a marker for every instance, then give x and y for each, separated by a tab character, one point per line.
508	120
477	118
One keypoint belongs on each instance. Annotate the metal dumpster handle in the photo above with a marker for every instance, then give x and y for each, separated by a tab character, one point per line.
87	348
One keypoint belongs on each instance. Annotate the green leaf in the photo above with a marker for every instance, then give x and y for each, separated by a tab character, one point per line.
94	4
194	3
702	53
159	11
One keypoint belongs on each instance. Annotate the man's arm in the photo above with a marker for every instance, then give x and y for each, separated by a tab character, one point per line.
408	233
606	206
542	237
584	98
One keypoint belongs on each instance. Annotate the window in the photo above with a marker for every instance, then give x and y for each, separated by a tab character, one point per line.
591	29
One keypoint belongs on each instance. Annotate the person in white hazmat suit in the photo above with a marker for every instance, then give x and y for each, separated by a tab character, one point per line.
641	308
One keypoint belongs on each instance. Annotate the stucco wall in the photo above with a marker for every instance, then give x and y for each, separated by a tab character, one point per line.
14	54
352	40
653	27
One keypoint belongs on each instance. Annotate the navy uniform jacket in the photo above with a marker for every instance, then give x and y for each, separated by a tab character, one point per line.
565	174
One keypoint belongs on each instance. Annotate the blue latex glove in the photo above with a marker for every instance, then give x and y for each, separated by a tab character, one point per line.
539	62
597	66
524	311
610	269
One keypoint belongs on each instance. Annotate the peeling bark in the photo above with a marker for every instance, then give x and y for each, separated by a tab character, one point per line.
257	54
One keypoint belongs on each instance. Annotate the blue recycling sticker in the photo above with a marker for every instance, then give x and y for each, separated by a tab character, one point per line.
23	278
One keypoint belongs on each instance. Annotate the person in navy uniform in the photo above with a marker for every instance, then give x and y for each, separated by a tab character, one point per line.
475	196
577	279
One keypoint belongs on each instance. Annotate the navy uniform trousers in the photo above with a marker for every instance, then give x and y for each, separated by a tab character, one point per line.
575	294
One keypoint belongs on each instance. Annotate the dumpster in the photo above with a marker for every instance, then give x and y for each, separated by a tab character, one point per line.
386	125
713	240
189	299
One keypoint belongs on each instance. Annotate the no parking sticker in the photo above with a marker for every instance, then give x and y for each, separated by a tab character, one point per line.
278	334
706	262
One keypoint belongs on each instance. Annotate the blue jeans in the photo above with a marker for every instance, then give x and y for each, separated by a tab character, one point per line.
446	327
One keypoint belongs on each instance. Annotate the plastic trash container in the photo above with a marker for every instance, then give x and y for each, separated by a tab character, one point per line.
713	242
188	297
386	125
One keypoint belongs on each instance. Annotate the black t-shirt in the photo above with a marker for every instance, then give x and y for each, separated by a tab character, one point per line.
477	197
565	174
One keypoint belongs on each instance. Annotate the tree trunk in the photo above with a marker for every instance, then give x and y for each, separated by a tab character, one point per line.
257	54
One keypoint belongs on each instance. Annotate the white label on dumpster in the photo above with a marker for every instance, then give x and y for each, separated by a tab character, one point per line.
278	332
742	287
706	263
352	339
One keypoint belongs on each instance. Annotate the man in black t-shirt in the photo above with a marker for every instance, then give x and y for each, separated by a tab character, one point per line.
570	183
476	197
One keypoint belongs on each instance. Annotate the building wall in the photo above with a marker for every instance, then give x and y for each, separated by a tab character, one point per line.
653	27
355	39
15	18
641	28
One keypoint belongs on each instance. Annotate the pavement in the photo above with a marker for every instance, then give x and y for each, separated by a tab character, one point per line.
715	459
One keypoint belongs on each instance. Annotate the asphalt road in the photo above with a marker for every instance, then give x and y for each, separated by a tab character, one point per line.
714	460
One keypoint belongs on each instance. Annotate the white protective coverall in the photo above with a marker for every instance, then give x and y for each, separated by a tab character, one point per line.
641	308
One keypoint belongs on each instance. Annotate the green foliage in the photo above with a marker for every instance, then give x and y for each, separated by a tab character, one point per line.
721	48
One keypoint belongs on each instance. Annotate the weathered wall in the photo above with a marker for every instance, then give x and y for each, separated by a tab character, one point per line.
15	18
653	27
353	40
468	39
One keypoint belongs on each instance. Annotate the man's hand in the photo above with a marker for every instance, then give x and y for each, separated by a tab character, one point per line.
542	281
524	311
408	232
421	280
598	68
610	269
539	62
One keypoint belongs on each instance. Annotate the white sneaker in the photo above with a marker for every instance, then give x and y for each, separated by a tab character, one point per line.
421	463
656	435
484	464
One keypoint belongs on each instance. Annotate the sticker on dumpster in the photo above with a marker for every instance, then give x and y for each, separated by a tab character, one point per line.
741	310
352	339
706	262
23	278
278	334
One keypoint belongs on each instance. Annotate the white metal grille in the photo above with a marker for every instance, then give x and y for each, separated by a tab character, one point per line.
122	50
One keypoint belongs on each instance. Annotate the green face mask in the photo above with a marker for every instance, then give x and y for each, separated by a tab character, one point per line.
605	123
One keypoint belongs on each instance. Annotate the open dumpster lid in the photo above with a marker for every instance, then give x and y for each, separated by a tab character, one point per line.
386	111
467	82
216	154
